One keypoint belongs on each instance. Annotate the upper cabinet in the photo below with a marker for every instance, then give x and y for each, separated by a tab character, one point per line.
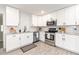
70	15
77	14
12	16
34	20
53	15
38	20
66	16
42	20
61	17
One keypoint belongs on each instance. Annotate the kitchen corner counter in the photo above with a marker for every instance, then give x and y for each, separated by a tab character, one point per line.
19	33
77	34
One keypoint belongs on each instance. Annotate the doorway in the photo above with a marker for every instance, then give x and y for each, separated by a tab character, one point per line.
1	32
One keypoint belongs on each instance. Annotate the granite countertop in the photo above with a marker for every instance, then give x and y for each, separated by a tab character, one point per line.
69	33
20	33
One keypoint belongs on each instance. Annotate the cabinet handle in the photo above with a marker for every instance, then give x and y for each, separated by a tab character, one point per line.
19	38
14	36
63	38
27	36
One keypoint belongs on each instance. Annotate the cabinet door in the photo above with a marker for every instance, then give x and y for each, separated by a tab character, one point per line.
26	39
61	17
54	15
23	39
70	15
77	44
77	15
42	36
45	19
34	20
12	16
70	42
40	21
12	42
49	17
59	40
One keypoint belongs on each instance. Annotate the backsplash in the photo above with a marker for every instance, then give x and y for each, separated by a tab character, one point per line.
72	29
47	28
68	29
17	29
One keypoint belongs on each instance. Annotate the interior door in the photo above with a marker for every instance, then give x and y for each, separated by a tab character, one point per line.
1	31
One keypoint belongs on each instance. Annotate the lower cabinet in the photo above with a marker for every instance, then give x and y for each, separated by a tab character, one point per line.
67	41
26	39
77	44
70	42
42	36
59	40
15	41
12	42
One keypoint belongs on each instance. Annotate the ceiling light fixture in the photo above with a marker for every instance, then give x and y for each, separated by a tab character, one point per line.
42	11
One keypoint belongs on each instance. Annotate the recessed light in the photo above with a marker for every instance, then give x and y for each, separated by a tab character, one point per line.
42	11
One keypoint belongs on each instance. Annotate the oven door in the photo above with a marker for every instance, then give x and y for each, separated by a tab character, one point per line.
51	37
48	35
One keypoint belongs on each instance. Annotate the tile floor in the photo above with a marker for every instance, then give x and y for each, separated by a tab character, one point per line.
41	49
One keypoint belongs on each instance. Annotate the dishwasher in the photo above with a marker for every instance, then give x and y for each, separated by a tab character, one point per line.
35	37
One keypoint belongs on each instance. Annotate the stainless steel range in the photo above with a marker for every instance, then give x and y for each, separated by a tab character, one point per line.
50	36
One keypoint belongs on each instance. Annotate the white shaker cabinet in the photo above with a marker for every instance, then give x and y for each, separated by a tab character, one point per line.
40	21
70	42
67	16
12	42
77	15
26	39
54	15
44	19
70	15
67	41
34	20
59	40
61	17
77	44
12	16
42	36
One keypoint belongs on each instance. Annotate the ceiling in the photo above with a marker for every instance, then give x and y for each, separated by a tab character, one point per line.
36	8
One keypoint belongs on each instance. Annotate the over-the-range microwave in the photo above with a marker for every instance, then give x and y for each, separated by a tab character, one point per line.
52	23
